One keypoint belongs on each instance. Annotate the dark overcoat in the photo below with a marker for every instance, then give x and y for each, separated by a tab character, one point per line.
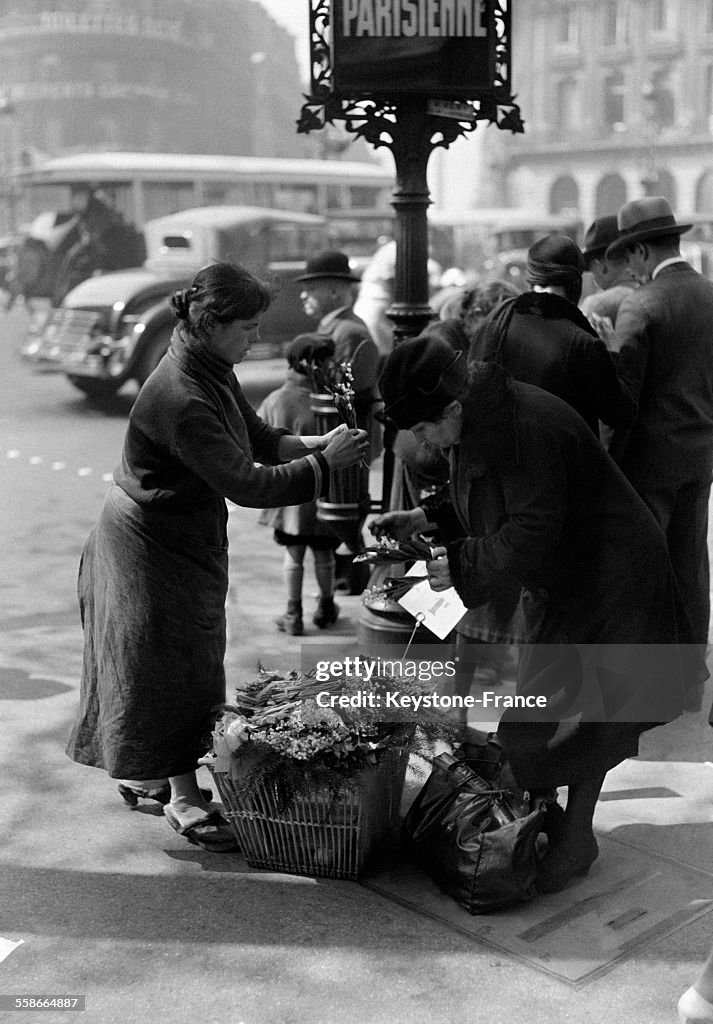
538	501
544	339
664	333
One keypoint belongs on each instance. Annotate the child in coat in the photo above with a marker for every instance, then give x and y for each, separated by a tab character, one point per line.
296	526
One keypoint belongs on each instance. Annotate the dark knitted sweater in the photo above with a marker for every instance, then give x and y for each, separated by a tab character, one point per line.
193	435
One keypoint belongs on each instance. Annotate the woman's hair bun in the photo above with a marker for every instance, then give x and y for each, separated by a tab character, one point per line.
181	302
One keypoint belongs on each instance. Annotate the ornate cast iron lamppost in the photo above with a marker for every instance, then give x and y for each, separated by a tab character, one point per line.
410	76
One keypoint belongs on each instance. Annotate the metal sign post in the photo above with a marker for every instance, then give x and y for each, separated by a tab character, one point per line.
409	75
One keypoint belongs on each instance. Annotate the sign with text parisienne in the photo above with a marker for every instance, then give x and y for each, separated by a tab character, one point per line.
440	48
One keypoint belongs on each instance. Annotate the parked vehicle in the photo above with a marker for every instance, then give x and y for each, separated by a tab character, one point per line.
116	327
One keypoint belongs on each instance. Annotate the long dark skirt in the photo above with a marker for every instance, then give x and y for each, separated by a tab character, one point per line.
152	591
601	696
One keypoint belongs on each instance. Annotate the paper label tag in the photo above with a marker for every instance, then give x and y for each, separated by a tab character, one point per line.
439	612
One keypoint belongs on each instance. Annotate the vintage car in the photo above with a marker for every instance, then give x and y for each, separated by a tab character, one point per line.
115	327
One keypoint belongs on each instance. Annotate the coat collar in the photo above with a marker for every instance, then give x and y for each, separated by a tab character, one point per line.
195	358
552	307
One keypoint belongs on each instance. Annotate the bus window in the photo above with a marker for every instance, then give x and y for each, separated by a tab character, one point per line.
300	199
162	198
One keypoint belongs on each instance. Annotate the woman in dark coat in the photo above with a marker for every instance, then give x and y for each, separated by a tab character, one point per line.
535	499
542	338
154	572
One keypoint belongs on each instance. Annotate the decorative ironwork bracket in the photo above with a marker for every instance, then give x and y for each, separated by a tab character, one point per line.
376	118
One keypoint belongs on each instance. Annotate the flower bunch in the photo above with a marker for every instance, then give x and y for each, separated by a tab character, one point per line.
396	587
341	387
388	550
337	380
277	731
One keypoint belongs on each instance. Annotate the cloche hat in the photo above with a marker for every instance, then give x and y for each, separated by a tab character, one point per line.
420	377
650	217
328	264
600	235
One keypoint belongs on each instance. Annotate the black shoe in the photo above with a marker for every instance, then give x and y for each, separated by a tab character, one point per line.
327	613
562	864
291	621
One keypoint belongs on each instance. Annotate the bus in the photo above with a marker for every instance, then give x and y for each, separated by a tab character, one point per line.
493	242
354	197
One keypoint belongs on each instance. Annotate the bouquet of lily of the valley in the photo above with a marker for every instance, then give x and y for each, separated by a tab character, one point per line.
388	550
291	731
337	380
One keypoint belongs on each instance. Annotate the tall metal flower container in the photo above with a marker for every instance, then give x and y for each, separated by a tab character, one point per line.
347	502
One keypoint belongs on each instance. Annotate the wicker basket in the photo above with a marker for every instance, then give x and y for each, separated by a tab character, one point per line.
318	833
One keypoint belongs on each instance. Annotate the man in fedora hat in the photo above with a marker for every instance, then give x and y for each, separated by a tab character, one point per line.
612	276
664	337
328	291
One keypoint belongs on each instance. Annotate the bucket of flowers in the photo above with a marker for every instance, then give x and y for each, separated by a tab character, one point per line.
312	789
332	402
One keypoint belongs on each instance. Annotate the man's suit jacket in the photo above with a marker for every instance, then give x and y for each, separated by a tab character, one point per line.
353	343
665	337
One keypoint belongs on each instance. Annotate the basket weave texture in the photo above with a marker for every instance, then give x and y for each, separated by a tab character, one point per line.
320	833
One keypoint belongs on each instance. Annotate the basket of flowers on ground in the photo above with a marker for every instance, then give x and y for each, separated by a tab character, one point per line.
312	789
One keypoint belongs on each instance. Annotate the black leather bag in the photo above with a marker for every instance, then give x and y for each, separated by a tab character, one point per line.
473	841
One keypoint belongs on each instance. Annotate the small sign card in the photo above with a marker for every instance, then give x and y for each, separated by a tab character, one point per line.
439	612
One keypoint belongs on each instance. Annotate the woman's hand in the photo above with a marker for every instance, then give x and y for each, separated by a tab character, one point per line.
439	573
347	446
326	438
399	525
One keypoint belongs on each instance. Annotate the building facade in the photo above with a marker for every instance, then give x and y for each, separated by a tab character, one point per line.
192	76
617	97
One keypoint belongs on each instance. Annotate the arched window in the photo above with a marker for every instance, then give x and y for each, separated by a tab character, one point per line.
611	194
564	195
704	193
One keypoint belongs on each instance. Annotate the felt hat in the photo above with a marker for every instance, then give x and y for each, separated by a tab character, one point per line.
420	377
650	217
600	235
328	264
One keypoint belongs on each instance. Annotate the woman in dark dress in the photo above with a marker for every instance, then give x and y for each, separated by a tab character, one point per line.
535	499
154	572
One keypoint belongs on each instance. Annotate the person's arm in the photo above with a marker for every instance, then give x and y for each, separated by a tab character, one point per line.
633	341
593	366
203	445
292	446
295	444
